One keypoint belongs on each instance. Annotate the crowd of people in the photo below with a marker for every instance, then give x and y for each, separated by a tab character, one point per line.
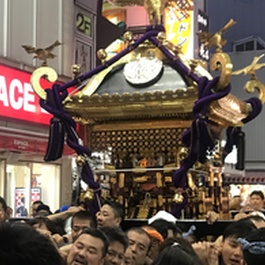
75	236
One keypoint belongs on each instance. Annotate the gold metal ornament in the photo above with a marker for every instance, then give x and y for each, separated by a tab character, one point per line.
128	37
215	39
87	196
76	70
102	55
42	53
80	160
253	84
222	62
161	37
42	72
178	198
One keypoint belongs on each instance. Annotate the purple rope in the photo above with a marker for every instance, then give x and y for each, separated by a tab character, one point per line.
199	138
54	105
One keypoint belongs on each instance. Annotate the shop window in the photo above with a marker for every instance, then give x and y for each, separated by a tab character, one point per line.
28	182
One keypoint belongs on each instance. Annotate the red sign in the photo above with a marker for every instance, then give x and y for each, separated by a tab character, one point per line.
17	98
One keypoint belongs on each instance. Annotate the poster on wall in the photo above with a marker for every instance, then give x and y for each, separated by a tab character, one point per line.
20	209
35	195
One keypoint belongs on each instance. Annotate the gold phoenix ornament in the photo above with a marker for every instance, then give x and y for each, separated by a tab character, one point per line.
42	53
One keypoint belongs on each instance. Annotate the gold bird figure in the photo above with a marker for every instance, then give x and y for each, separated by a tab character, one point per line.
215	39
252	68
42	53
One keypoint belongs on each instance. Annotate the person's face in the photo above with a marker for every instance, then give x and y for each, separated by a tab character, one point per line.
3	214
256	202
106	217
128	260
78	226
115	254
138	247
86	250
154	249
231	252
34	208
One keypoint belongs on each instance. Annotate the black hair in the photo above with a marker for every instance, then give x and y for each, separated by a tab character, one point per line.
162	226
240	228
255	258
176	251
21	244
85	215
116	234
37	202
3	202
258	193
117	208
39	220
97	233
43	207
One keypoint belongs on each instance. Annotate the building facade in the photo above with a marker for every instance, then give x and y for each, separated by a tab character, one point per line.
24	127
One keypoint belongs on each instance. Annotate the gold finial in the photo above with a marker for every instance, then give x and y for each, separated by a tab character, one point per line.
102	55
178	198
80	160
215	39
128	37
42	53
161	36
76	70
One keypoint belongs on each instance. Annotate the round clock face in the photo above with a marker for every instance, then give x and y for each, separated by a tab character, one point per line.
143	71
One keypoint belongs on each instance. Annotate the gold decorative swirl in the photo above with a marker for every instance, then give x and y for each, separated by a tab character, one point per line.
255	84
42	72
222	62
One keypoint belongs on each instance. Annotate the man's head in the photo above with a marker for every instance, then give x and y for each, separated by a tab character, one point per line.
118	243
231	250
257	218
139	245
80	221
254	247
257	200
89	248
21	244
156	240
3	209
43	210
34	207
110	214
166	229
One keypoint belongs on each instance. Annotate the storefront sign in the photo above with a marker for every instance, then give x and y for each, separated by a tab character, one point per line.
27	143
203	25
17	98
178	25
